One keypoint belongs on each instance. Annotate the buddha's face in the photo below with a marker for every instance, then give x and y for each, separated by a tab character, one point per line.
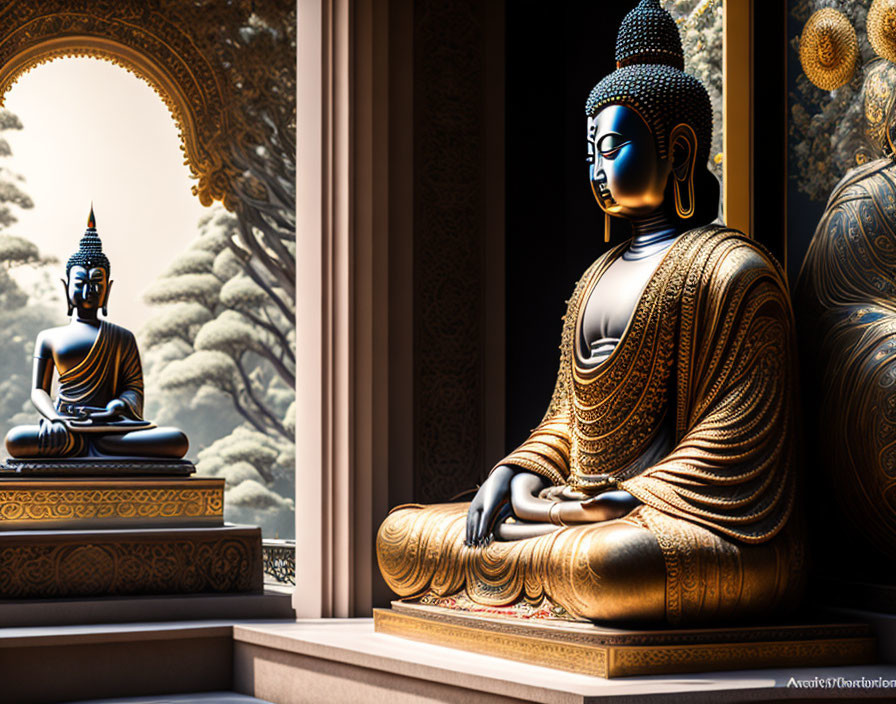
88	288
628	178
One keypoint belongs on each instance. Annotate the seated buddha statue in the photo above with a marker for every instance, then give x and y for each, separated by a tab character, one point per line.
98	410
660	486
845	302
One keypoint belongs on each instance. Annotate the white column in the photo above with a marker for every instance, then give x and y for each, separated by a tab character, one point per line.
344	275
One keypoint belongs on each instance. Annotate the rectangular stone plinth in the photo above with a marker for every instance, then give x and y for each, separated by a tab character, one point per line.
86	563
43	503
97	467
589	649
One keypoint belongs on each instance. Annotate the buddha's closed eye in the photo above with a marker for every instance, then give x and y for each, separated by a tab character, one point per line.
610	144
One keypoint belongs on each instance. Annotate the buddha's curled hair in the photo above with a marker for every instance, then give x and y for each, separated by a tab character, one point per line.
649	78
90	250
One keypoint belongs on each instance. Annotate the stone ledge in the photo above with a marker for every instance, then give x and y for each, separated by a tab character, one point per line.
883	625
274	603
203	698
45	636
346	661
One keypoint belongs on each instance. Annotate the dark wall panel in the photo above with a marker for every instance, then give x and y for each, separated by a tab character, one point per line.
554	227
449	202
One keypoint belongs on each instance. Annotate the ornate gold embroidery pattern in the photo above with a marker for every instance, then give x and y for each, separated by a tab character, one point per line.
846	295
702	571
619	404
588	657
19	505
554	429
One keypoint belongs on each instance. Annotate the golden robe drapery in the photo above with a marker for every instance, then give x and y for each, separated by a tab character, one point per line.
710	350
110	370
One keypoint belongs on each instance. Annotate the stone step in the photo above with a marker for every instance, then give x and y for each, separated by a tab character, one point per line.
273	603
48	665
48	564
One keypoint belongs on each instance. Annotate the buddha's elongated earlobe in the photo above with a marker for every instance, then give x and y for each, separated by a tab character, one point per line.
106	299
684	211
683	143
606	226
68	300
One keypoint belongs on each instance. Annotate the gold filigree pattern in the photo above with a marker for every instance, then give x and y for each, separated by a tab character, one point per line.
596	653
34	504
881	25
879	100
728	367
829	49
846	298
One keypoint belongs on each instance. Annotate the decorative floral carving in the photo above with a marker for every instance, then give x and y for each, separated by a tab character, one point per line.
30	505
117	562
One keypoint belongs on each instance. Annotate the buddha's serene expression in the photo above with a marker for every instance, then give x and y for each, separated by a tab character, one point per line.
87	288
628	177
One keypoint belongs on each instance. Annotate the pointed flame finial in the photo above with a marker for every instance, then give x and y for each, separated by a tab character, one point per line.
91	220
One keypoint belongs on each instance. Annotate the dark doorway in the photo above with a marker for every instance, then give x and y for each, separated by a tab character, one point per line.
554	227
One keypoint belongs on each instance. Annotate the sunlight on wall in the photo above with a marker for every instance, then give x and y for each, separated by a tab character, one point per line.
93	132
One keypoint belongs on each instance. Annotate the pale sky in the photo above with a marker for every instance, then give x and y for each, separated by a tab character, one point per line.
94	132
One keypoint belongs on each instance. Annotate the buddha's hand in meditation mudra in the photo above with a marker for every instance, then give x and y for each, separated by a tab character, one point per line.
52	437
116	409
537	507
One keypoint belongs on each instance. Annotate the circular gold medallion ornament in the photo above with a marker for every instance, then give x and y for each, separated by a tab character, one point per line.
881	23
829	49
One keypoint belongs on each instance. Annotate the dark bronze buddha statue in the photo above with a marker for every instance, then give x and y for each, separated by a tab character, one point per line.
845	302
661	483
98	411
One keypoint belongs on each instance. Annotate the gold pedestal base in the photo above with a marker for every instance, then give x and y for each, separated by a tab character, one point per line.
588	649
44	503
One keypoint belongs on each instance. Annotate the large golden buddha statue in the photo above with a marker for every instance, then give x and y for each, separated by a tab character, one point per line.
661	483
846	306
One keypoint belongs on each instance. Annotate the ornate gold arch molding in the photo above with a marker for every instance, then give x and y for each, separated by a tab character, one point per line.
188	51
133	61
225	69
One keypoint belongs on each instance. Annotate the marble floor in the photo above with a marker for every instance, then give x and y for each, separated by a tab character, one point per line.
343	661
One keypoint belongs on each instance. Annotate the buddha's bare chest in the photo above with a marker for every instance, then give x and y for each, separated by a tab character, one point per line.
72	345
611	304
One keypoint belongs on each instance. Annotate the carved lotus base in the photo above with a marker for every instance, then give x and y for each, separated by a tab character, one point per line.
36	502
539	637
61	564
